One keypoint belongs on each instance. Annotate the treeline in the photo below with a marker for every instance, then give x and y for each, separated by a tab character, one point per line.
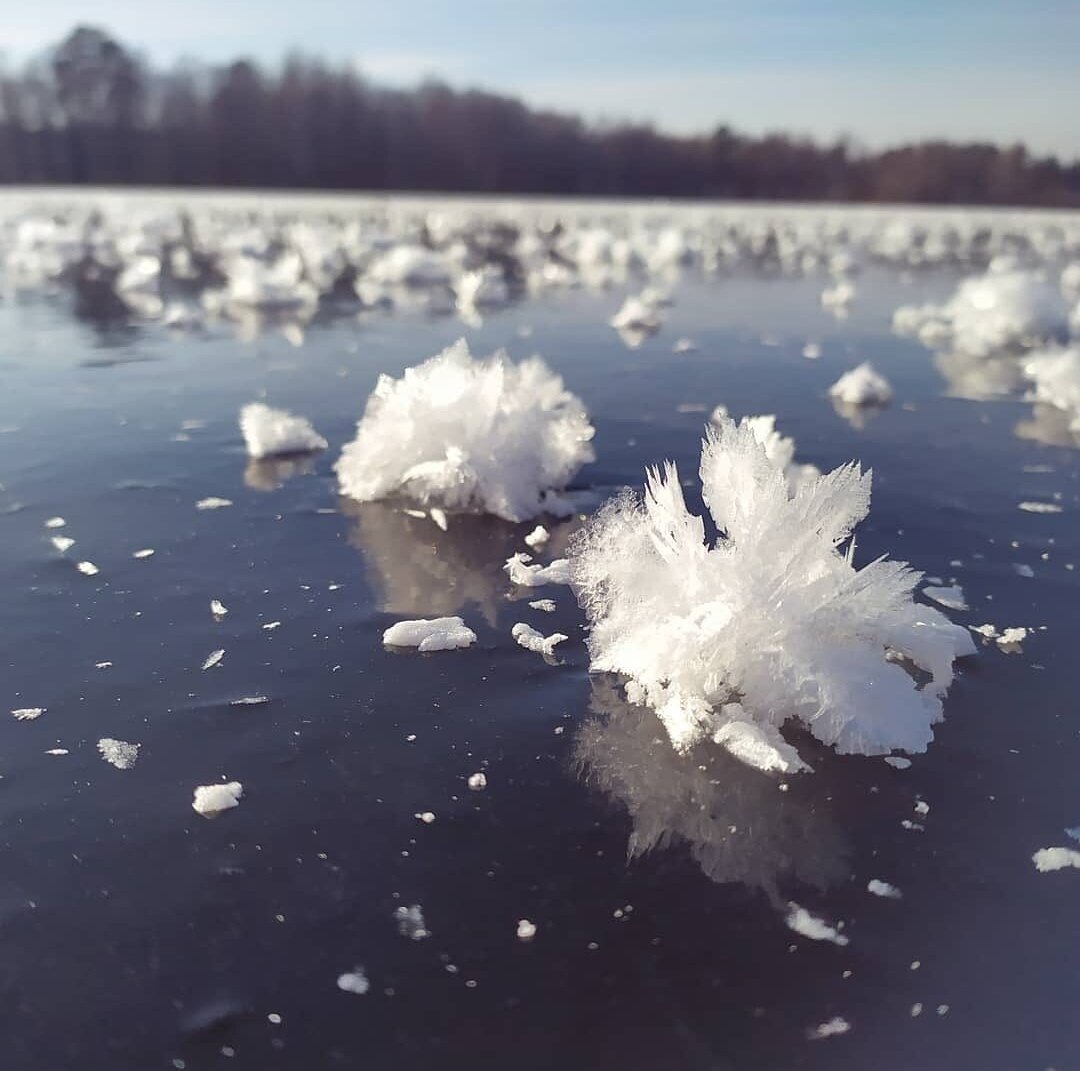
91	112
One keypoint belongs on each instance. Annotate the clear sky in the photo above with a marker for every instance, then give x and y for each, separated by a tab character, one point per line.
882	72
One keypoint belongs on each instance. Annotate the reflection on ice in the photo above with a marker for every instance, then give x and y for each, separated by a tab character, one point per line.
269	473
735	822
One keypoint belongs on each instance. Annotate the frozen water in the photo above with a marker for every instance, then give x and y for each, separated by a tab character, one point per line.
802	922
862	386
773	620
534	576
211	800
118	753
950	597
268	432
883	889
436	634
532	640
467	433
1049	859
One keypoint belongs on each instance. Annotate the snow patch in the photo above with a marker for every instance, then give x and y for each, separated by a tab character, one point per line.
434	634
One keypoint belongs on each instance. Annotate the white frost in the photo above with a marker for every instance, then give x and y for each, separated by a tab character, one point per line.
1048	859
772	621
532	640
802	922
862	386
467	433
118	753
211	800
434	634
270	432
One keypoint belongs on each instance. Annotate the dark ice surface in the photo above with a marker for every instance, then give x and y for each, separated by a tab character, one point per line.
135	934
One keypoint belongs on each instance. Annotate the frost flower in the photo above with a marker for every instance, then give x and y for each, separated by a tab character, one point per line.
771	621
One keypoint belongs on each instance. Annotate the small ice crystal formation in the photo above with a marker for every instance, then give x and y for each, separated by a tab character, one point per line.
436	634
547	606
862	386
467	433
87	568
771	621
535	576
537	537
835	1026
411	923
218	608
1049	859
354	981
1055	376
62	543
532	640
118	753
211	800
213	502
27	713
526	930
271	432
802	922
478	781
883	889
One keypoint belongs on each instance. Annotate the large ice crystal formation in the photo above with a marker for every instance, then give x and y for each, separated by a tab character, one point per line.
467	433
772	621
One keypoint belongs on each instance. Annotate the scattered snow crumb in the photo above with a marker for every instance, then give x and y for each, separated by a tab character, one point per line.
898	762
862	386
270	625
1048	859
58	751
102	665
62	543
537	537
439	517
684	345
884	889
1012	635
214	658
546	605
55	522
213	503
118	753
1022	569
535	576
87	568
465	433
832	1028
477	781
811	351
950	597
916	1010
943	1009
802	922
218	608
427	817
1040	507
354	981
147	552
922	808
532	640
211	800
27	713
526	930
268	432
250	701
434	634
411	923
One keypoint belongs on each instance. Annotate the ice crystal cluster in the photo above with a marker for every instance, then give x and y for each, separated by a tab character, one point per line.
272	432
1055	379
770	622
470	434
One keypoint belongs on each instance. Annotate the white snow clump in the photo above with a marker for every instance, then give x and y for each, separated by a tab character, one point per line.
1049	859
802	922
270	432
862	386
118	753
532	640
770	622
535	576
434	634
467	433
211	800
1055	375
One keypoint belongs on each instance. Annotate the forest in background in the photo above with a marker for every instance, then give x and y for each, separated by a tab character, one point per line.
90	111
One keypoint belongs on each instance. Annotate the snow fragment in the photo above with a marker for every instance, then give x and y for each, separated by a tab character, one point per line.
214	658
537	537
1039	507
883	889
760	746
213	502
478	781
545	605
27	713
532	640
58	751
411	923
535	576
62	543
87	568
1050	859
250	701
862	386
272	432
832	1028
434	634
802	922
898	762
354	981
439	517
211	800
526	930
271	625
118	753
218	608
55	522
427	817
147	552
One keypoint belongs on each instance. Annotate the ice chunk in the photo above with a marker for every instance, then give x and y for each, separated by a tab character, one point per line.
270	432
898	762
638	314
526	930
218	608
1055	375
1048	859
532	640
213	502
213	658
478	781
831	1028
464	433
883	889
211	800
537	537
802	922
950	597
861	386
535	576
118	753
773	620
146	552
1039	507
87	568
27	713
62	543
354	981
250	701
547	606
434	634
55	522
411	923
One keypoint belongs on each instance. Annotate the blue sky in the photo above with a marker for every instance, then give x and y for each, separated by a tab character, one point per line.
880	72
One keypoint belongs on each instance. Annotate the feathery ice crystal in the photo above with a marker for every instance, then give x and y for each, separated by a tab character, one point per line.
771	622
467	433
271	432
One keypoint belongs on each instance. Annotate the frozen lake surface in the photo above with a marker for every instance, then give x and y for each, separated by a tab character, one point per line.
595	900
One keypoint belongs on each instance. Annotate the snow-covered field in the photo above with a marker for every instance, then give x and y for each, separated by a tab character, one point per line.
347	538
